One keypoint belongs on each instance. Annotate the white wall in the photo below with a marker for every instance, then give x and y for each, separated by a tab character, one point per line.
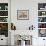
24	24
25	4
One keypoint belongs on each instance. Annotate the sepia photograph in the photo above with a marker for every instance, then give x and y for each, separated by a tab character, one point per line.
23	14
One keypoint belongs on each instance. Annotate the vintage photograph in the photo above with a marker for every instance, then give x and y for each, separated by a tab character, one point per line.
22	14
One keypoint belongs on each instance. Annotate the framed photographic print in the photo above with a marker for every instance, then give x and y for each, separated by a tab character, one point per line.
22	14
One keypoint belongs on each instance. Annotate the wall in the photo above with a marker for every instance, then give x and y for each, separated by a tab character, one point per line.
18	5
24	24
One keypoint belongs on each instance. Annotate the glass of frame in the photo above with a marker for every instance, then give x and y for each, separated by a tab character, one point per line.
22	14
